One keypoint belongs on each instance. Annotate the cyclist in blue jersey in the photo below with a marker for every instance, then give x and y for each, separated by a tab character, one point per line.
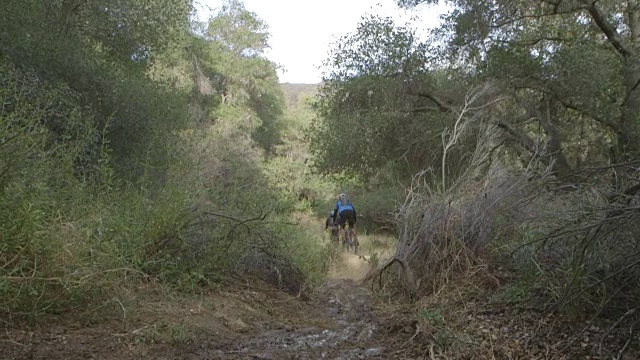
345	213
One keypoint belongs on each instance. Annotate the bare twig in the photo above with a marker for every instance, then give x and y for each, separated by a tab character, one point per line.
604	336
411	283
626	344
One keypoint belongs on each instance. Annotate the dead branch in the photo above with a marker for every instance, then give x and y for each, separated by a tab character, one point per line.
604	336
624	348
411	282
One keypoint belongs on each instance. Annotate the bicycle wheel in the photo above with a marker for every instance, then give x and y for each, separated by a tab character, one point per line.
335	235
350	241
343	239
355	242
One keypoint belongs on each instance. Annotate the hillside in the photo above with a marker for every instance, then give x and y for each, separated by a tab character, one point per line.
294	92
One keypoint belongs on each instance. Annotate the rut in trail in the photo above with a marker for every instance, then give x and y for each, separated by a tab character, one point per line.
341	324
244	321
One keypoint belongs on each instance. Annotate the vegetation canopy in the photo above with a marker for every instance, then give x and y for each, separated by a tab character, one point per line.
136	149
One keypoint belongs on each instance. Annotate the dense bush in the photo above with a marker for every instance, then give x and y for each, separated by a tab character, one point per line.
572	249
137	158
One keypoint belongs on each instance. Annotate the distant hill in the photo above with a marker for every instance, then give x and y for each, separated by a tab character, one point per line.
295	92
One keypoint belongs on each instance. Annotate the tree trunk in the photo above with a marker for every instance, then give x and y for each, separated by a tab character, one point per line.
555	151
629	143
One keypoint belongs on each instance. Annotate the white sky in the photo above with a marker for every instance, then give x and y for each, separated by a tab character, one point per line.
302	30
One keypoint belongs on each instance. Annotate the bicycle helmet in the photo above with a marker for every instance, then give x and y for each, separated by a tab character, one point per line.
341	196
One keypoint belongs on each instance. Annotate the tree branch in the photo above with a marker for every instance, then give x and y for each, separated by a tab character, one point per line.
565	103
442	105
597	14
522	138
532	42
535	16
67	17
424	109
556	4
574	107
633	88
607	28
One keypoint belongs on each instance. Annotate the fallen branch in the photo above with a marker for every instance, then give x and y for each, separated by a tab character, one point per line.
613	327
624	348
411	282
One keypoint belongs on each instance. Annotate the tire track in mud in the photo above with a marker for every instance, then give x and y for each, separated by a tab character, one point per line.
351	329
339	321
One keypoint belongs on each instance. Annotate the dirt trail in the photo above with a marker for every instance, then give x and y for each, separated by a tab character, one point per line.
339	324
245	322
350	267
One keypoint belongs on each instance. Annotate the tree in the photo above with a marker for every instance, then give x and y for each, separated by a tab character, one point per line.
231	57
104	49
240	30
538	48
375	108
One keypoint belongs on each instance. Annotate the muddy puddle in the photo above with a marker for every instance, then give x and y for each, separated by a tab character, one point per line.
349	334
351	330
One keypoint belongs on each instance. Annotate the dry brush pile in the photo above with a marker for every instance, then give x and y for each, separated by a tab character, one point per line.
571	250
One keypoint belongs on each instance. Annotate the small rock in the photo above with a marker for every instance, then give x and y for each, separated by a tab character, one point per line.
238	325
373	352
363	335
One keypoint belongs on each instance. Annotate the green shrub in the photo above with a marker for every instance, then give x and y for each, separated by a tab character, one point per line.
78	236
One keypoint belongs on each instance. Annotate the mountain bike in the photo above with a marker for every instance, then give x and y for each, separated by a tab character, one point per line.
350	240
335	233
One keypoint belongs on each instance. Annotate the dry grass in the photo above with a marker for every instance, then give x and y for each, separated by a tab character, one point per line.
444	234
572	258
518	271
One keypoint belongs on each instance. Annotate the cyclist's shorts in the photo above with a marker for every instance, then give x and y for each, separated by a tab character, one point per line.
347	216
